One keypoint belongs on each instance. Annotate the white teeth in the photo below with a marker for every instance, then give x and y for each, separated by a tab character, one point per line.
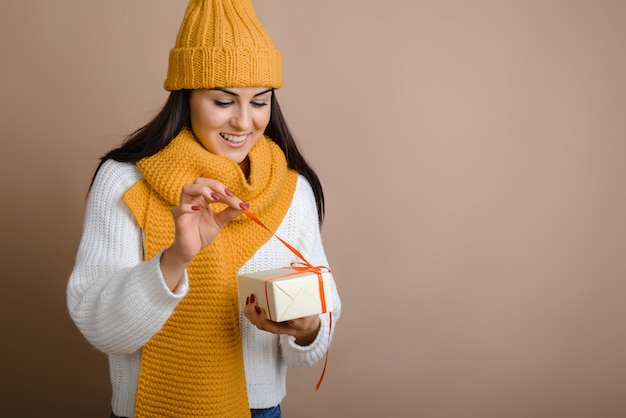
236	139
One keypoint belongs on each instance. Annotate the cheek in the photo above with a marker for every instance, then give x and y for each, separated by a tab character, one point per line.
205	121
262	121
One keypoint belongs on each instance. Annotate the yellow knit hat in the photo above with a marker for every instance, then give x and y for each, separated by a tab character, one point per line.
221	43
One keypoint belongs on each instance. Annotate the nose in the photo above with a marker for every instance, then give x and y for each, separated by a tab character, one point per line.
242	119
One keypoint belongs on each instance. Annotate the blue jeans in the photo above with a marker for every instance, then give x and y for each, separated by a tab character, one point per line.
256	413
267	413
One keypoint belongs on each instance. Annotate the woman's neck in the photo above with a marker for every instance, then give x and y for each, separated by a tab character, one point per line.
245	167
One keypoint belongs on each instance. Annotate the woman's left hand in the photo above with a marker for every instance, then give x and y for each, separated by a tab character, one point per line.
304	329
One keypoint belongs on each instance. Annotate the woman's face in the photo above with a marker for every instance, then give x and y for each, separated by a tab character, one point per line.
229	121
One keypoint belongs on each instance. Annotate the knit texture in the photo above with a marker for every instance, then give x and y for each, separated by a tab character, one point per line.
194	366
221	43
118	301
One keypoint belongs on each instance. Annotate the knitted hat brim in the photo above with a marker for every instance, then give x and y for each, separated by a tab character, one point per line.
204	67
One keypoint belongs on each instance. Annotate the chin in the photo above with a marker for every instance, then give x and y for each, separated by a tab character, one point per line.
239	158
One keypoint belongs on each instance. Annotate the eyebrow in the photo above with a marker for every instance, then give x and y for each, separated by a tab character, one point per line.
236	95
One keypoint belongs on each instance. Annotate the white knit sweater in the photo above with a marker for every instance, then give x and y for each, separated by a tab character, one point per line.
118	301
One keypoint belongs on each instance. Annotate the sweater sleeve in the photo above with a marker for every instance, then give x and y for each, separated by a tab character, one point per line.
117	300
310	244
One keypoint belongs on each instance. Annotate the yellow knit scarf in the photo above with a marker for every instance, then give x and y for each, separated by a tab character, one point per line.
194	366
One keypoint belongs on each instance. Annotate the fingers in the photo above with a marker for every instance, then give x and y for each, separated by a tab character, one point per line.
305	329
252	306
257	316
204	191
227	215
196	223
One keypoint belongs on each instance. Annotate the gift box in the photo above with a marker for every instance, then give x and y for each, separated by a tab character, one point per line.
287	293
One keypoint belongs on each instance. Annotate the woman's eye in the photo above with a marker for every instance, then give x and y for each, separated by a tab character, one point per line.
259	104
222	104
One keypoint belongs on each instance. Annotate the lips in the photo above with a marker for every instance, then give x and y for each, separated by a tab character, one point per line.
234	139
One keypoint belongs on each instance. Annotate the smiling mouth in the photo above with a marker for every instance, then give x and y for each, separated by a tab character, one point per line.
234	139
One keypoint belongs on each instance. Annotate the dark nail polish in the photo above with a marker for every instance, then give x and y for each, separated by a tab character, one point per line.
252	298
248	300
258	310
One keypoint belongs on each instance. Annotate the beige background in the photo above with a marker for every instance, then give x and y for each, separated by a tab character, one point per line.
473	159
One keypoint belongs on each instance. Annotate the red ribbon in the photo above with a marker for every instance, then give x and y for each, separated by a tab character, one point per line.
305	266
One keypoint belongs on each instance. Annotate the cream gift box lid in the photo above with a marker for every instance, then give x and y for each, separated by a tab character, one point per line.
286	293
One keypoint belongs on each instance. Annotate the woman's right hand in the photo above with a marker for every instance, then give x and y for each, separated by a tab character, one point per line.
196	224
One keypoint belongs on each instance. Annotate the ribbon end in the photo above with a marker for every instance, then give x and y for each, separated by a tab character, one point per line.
319	382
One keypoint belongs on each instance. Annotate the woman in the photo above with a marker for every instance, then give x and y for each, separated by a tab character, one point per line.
155	281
